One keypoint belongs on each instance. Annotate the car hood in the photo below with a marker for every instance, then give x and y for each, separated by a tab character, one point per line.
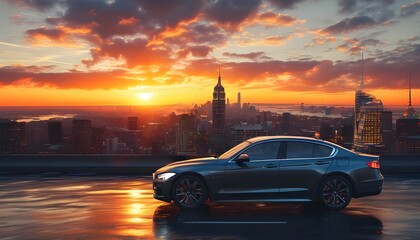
191	162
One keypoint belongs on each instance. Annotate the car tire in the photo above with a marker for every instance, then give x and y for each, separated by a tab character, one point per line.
189	192
335	193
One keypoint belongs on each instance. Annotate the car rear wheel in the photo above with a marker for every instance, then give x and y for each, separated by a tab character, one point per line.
189	192
335	193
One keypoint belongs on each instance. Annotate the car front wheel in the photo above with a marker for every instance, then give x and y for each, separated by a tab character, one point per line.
189	192
335	193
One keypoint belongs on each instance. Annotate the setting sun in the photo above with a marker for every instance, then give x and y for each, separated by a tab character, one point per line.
145	96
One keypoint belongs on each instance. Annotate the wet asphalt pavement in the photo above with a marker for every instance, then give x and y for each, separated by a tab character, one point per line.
110	207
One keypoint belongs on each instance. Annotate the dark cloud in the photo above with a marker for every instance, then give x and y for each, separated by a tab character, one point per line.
350	24
196	51
54	34
231	12
351	6
126	17
410	10
347	6
251	55
285	4
310	75
40	5
356	46
135	52
196	35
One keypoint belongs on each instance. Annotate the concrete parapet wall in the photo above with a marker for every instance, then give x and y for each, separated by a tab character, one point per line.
73	163
393	164
144	164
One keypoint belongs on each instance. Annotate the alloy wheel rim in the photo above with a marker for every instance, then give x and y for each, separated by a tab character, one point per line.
336	193
189	192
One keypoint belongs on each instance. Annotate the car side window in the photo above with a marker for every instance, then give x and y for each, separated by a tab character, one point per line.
322	151
263	151
299	150
307	150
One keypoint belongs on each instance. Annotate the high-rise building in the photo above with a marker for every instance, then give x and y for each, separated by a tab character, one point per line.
55	135
368	136
133	123
219	107
408	130
36	136
82	136
245	131
12	137
369	122
186	135
239	100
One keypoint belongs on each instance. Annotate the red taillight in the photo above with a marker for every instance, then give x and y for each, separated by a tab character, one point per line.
374	164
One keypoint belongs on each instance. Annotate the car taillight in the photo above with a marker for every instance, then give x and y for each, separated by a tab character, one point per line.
374	164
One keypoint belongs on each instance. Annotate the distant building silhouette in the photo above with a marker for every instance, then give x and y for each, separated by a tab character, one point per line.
247	131
239	100
111	145
55	135
408	129
186	135
98	140
219	107
12	137
36	136
82	136
133	123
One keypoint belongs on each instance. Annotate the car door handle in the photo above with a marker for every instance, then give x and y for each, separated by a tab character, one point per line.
270	166
322	162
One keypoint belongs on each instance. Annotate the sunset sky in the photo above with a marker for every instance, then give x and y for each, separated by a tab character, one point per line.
160	52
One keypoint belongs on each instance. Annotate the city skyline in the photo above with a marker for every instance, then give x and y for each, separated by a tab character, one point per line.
87	53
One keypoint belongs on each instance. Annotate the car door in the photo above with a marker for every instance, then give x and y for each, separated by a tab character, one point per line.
302	167
257	178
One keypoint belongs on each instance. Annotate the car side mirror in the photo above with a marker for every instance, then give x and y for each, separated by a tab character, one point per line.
242	158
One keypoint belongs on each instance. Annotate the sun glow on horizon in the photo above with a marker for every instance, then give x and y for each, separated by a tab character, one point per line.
145	96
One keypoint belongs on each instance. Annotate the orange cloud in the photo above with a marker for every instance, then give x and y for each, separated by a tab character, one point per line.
271	19
128	21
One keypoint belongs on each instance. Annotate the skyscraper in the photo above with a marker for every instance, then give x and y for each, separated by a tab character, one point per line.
55	135
132	123
82	136
239	99
368	122
219	107
408	129
12	137
186	135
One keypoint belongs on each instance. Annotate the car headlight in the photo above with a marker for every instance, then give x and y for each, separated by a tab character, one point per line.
164	176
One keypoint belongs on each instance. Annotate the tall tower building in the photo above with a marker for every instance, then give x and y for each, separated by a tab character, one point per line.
219	106
408	129
369	122
239	99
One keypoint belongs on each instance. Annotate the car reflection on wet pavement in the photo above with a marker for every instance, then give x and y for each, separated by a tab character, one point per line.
109	207
260	221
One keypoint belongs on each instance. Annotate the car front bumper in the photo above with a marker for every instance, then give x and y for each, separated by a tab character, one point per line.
162	190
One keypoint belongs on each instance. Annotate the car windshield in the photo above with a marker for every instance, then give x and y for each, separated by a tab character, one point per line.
234	150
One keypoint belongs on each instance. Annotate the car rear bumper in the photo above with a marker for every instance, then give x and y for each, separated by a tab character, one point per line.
369	188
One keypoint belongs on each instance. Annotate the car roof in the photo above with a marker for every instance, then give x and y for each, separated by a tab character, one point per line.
264	138
310	139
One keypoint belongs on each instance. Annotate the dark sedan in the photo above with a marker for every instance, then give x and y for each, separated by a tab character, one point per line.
272	169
